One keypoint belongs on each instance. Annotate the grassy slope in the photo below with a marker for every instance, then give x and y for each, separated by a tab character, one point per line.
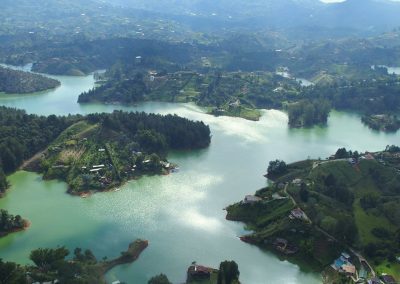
357	179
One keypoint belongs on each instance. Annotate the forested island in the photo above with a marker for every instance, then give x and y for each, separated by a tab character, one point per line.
318	209
102	151
20	82
96	152
10	223
55	266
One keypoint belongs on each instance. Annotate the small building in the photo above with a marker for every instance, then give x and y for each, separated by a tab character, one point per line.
388	279
374	280
349	269
102	150
369	156
98	166
297	181
251	199
346	256
198	273
298	214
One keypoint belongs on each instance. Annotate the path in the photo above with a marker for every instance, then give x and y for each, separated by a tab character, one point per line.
32	159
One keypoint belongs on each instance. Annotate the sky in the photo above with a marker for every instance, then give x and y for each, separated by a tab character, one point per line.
336	1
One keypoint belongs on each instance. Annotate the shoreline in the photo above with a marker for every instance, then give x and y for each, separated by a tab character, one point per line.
26	226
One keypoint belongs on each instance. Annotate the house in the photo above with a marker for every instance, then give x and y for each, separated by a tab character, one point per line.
283	246
352	161
235	104
198	273
368	156
98	166
345	256
343	265
298	214
250	199
297	181
388	279
349	269
374	281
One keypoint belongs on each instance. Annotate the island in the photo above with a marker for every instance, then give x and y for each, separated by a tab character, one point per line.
20	82
10	223
102	151
339	216
382	122
52	265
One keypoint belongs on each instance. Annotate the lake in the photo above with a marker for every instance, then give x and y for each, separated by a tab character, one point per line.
180	214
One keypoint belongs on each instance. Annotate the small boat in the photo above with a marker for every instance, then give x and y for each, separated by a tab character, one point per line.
175	170
117	189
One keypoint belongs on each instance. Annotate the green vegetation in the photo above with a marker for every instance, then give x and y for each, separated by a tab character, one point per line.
23	135
159	279
102	151
276	168
389	123
10	223
232	94
308	113
349	201
228	273
127	145
51	265
19	82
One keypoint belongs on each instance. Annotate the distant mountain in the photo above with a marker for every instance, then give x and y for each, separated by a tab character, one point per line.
365	15
302	18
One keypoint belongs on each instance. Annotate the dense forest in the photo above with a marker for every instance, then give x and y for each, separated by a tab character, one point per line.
19	82
102	151
308	113
22	135
10	223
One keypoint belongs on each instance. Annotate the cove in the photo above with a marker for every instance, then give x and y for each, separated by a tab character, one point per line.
180	214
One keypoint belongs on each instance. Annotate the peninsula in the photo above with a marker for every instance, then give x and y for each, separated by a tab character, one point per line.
51	265
318	210
20	82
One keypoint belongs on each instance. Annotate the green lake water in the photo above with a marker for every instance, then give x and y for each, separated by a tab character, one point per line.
180	214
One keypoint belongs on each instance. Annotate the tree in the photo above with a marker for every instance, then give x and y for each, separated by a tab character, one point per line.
276	167
11	273
47	258
159	279
228	272
341	153
303	192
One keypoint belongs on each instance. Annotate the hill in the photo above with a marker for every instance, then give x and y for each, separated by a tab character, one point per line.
102	151
321	208
19	82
